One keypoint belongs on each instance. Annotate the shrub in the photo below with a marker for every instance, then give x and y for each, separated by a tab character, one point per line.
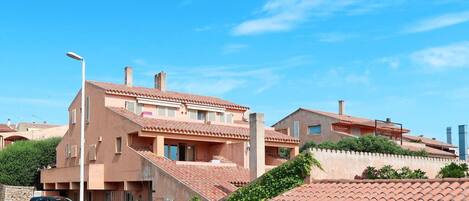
368	143
278	180
387	172
20	162
454	170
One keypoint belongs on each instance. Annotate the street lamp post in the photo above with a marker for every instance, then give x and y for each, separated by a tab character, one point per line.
82	123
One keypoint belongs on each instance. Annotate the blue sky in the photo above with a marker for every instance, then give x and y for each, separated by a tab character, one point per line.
408	60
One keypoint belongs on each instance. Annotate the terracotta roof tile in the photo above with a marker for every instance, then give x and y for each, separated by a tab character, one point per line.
121	89
431	151
212	182
427	141
335	190
355	120
201	129
5	128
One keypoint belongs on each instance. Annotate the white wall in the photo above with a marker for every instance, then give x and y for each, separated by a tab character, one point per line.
346	165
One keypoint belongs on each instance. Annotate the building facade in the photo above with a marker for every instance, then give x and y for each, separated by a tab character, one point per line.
153	144
320	126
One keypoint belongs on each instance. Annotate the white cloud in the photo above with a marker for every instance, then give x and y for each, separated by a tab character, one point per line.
438	22
334	37
203	28
284	15
219	80
392	62
233	48
444	57
340	77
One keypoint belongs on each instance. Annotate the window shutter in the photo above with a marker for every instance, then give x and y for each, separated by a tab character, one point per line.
296	129
87	109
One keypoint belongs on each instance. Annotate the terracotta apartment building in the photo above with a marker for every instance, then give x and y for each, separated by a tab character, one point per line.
319	126
153	144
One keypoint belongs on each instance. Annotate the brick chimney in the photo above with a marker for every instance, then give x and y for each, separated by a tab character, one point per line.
160	81
128	76
341	107
257	145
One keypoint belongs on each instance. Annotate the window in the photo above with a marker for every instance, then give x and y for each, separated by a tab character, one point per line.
139	109
314	130
87	110
130	106
229	118
179	152
211	116
166	111
222	117
129	196
201	115
193	114
197	114
171	111
171	152
118	145
296	129
134	107
73	116
68	151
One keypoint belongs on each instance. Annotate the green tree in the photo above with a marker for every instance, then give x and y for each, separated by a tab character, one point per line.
278	180
368	143
454	170
20	162
387	172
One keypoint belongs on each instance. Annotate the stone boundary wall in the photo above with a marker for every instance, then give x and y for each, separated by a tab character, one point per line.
338	164
16	193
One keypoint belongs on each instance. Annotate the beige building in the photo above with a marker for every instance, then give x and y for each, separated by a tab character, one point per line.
320	126
154	144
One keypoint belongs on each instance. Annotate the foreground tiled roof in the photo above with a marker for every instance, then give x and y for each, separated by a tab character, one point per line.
121	89
425	189
200	129
213	182
6	128
428	141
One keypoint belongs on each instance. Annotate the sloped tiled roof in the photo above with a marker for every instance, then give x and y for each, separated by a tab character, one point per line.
200	129
210	181
424	189
121	89
427	141
23	126
350	119
431	151
6	128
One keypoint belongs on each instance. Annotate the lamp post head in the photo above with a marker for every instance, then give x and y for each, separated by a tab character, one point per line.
73	55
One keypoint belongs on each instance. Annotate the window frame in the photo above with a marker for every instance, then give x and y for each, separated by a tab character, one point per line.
315	125
118	145
296	129
73	116
87	109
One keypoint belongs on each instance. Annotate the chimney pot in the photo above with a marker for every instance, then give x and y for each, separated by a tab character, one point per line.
388	120
128	76
9	122
341	107
160	81
449	139
462	142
